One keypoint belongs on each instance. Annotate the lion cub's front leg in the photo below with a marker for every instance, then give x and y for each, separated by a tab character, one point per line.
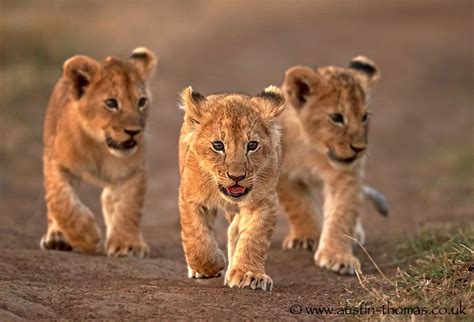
253	234
232	235
341	214
70	223
203	256
122	206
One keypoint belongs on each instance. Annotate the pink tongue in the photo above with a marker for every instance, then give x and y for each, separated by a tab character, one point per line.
236	189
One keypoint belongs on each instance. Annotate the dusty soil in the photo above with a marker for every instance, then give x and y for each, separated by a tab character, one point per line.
421	140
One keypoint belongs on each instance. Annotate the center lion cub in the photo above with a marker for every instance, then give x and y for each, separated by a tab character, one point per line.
229	158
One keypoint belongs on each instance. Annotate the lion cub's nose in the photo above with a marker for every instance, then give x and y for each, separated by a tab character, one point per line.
132	133
236	178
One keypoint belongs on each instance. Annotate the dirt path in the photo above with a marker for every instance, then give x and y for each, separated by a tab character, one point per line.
421	137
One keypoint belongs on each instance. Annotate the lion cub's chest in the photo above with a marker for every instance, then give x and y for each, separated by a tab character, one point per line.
107	171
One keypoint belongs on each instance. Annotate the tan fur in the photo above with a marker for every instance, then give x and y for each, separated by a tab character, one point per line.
314	147
235	120
76	129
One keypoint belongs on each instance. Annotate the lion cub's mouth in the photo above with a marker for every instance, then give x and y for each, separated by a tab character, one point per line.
334	157
235	191
126	145
121	149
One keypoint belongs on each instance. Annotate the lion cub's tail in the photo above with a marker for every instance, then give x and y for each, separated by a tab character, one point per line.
377	199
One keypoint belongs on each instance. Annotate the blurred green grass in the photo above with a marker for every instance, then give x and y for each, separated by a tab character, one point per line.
451	177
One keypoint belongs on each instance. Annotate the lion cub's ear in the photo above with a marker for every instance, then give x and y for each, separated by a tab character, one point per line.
300	85
273	101
81	71
145	61
365	70
192	104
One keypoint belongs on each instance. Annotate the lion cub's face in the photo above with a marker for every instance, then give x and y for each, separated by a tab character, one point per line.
233	137
331	105
112	98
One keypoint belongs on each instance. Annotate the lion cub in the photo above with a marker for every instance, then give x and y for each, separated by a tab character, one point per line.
229	157
93	131
325	140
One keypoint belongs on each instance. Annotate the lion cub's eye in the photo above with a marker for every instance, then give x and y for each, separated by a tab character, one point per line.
365	117
142	102
218	146
252	146
337	118
111	103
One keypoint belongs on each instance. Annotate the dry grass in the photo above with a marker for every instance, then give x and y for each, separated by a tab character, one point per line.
438	269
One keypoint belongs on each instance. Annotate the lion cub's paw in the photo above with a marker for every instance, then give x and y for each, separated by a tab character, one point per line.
194	274
293	242
84	235
55	240
342	263
211	267
241	279
121	247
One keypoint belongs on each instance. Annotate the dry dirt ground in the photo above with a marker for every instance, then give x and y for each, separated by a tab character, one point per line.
421	139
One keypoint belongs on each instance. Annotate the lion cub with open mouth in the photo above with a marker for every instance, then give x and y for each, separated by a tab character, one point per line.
93	131
229	157
325	141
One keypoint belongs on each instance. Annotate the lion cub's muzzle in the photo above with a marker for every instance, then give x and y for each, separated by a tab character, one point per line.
357	152
123	148
129	144
236	189
334	157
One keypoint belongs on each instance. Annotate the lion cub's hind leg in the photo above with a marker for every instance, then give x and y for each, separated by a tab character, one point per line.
359	233
122	209
299	205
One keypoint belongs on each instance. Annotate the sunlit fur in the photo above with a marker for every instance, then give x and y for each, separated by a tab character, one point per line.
79	130
318	157
235	120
